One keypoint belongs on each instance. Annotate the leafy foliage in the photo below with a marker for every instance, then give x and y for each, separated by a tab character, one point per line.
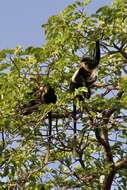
101	121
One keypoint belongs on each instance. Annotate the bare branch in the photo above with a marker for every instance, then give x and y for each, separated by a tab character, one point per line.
123	53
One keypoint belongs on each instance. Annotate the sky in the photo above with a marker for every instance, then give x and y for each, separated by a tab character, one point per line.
21	20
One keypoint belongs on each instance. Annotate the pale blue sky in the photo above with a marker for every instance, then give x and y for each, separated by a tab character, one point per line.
21	20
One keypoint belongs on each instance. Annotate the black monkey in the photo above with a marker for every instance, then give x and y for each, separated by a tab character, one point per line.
47	96
85	76
44	94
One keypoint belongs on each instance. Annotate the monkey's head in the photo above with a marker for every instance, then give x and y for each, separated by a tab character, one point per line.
86	63
47	94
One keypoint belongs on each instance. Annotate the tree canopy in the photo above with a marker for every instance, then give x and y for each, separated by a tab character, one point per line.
100	159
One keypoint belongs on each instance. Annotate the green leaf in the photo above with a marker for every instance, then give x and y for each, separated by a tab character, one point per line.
4	66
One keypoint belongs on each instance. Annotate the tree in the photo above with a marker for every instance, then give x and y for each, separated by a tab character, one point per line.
100	160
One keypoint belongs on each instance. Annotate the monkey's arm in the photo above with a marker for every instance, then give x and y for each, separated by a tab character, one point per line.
96	57
77	80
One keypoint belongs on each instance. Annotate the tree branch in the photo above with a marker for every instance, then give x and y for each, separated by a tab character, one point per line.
120	49
108	154
121	164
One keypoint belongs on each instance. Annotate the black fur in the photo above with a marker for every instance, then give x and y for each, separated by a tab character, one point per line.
47	95
86	75
44	94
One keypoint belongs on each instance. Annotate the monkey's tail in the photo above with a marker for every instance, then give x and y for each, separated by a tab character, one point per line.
75	129
49	137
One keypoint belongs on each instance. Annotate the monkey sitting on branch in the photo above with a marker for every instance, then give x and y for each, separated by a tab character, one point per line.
44	94
84	76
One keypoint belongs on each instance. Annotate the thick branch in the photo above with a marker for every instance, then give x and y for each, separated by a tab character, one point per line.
105	144
108	180
121	164
108	154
